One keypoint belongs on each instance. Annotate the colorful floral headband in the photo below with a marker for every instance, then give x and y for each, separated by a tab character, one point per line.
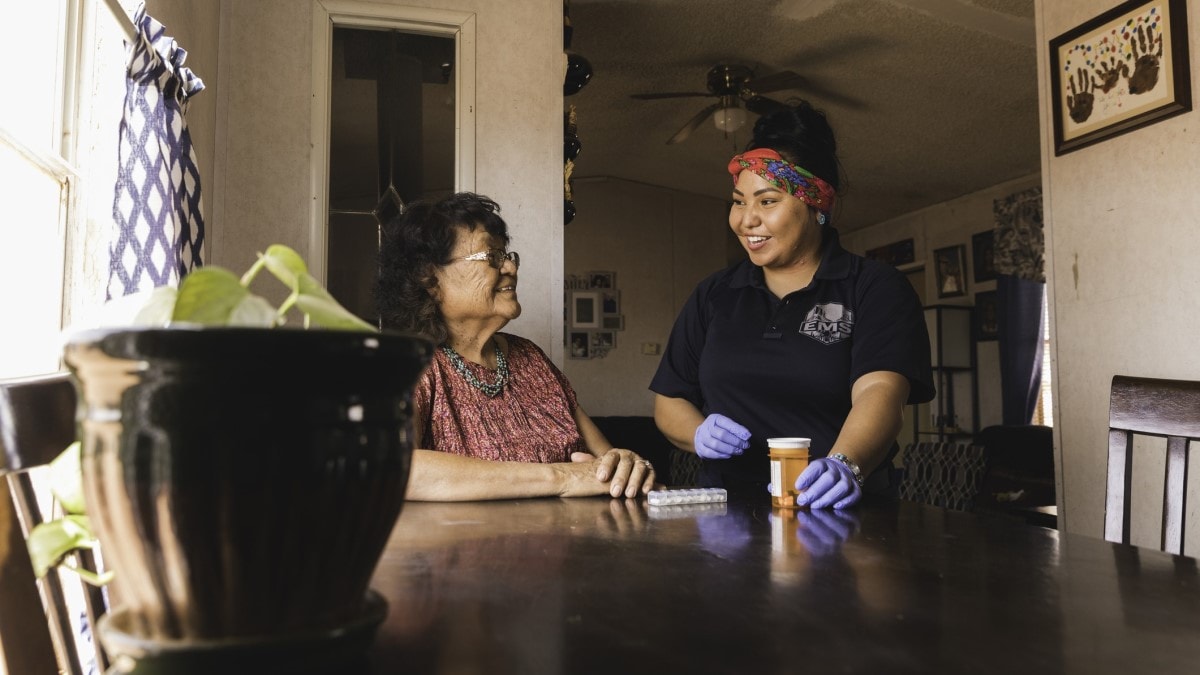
777	171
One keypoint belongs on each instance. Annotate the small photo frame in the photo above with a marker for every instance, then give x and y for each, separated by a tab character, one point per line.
613	322
894	254
611	302
987	317
602	279
585	309
603	340
578	345
983	253
950	271
1120	71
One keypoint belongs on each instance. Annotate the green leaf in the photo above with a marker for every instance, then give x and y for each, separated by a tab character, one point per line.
325	312
158	308
66	479
147	308
50	541
285	264
208	296
253	311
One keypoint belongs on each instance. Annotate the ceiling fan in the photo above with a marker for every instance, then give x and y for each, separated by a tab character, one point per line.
736	86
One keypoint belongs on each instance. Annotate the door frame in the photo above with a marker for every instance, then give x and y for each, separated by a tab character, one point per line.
356	14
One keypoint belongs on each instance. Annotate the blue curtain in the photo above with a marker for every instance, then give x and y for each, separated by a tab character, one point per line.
1020	293
1021	332
157	202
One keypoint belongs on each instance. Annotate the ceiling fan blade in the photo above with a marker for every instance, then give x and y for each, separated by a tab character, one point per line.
693	124
784	79
668	94
820	94
761	105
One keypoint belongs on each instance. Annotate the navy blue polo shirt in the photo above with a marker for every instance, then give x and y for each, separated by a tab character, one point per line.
785	367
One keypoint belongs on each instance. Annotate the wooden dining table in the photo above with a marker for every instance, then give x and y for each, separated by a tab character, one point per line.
616	586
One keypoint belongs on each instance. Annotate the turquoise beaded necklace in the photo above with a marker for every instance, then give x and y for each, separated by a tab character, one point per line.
493	389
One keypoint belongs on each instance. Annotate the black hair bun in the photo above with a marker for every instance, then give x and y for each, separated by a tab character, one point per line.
802	135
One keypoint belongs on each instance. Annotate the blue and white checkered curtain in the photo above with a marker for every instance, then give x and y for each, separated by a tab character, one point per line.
157	201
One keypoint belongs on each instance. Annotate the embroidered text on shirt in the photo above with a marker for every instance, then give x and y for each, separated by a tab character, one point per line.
828	323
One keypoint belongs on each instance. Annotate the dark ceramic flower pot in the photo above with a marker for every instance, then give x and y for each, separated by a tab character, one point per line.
243	482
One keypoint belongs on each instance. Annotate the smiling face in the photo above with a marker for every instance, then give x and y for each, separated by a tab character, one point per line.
779	231
474	296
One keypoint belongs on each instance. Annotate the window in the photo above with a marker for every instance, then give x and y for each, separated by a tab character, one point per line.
49	136
35	163
1045	405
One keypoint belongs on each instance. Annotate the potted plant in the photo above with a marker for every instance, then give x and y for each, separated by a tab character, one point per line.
242	477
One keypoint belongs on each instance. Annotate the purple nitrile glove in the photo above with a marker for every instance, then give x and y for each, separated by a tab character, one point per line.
827	483
719	437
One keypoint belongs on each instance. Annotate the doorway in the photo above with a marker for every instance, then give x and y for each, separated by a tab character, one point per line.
391	142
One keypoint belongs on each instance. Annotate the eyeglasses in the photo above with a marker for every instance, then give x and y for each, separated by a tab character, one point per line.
495	257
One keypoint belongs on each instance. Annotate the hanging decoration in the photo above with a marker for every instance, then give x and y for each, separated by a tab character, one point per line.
571	148
156	205
577	72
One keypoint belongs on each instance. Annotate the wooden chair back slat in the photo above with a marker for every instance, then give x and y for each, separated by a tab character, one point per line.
37	422
1150	407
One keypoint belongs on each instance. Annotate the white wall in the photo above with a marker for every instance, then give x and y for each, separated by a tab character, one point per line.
660	243
1122	264
263	136
948	224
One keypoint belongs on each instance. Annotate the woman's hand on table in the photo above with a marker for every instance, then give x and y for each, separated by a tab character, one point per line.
626	473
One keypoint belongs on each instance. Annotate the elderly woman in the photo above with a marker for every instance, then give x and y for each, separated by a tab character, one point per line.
498	418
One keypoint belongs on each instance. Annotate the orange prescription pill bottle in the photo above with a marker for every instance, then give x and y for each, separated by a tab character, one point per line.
789	458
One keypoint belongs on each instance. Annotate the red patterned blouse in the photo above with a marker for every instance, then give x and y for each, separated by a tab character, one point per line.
531	420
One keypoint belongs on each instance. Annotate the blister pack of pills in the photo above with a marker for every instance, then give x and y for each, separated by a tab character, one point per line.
686	496
671	511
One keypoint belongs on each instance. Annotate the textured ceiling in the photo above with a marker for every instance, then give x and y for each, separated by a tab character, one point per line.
948	91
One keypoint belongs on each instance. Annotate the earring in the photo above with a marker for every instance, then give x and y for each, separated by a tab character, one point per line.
820	218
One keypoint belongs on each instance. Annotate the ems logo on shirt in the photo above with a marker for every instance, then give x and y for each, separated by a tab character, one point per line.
828	323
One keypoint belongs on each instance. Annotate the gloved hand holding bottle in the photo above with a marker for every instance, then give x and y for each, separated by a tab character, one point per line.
827	483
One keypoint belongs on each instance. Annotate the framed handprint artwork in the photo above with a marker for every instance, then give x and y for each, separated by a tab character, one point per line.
1118	72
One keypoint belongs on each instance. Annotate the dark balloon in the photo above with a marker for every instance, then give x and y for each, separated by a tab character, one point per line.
568	211
571	147
579	72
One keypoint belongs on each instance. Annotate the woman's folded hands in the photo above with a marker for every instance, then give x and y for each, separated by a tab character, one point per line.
618	472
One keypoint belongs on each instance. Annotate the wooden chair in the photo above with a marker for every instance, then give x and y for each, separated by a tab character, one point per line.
1163	408
37	422
944	474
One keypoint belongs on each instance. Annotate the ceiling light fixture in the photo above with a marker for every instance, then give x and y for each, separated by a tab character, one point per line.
729	117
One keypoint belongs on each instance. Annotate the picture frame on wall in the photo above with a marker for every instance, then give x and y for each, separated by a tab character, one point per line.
983	254
610	302
614	322
603	340
578	345
1118	72
602	279
950	271
894	254
987	317
585	309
